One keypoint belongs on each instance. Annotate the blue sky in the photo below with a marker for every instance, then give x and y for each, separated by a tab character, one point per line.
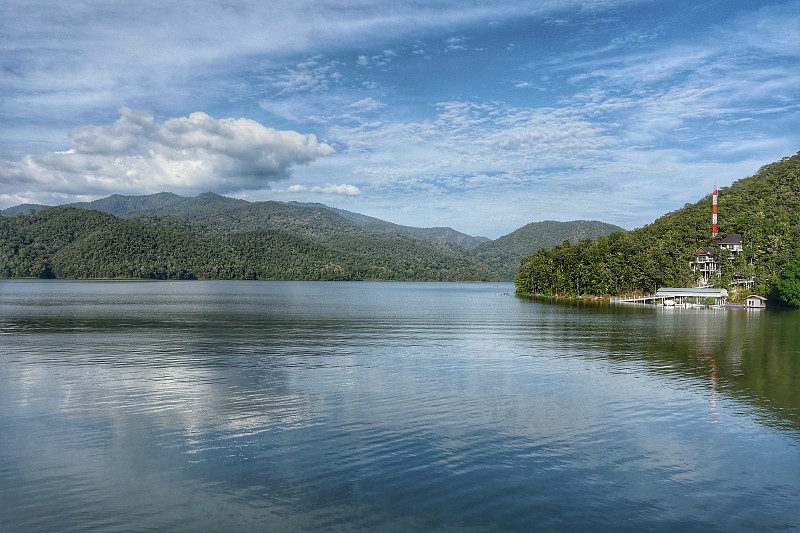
479	116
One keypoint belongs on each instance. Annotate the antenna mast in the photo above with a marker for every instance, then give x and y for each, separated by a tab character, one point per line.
714	211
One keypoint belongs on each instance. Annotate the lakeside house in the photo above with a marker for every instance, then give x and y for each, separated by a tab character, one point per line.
733	243
705	266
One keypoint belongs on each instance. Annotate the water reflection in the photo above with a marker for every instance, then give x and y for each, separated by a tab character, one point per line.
394	406
713	385
751	356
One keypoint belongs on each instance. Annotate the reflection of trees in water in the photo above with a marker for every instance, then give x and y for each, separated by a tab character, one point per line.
752	355
713	398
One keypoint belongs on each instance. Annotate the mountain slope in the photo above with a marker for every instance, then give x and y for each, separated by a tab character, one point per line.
22	209
505	253
229	214
763	208
126	206
344	232
378	226
65	242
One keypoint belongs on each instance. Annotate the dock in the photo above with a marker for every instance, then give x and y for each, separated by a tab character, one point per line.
686	296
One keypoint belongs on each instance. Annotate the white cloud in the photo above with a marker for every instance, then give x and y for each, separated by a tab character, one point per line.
367	105
378	60
188	154
455	44
308	76
772	29
343	189
468	139
330	188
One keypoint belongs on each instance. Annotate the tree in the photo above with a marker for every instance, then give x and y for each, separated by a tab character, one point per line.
787	286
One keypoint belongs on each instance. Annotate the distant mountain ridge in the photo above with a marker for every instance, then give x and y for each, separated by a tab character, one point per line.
244	215
339	232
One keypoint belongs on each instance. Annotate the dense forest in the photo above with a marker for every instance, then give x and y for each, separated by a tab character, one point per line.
66	242
762	208
504	254
166	236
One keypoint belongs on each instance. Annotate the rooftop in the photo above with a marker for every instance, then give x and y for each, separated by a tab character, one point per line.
733	238
692	292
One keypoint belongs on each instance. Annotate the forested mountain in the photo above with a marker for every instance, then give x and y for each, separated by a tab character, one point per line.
66	242
764	209
22	209
504	254
230	214
367	247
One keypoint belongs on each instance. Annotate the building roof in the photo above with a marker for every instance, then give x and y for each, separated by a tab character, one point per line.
692	292
756	297
733	238
703	250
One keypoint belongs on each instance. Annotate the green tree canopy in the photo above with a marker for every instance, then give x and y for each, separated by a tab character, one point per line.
787	286
762	208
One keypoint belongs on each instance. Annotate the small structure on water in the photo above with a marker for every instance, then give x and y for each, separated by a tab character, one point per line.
694	296
682	297
754	301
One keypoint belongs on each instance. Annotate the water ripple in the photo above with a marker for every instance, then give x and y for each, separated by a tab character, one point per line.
362	407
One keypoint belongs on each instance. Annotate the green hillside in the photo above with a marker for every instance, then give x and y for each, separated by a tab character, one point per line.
372	247
505	254
763	208
229	214
65	242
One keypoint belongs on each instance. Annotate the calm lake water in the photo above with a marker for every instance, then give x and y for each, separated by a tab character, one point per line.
282	406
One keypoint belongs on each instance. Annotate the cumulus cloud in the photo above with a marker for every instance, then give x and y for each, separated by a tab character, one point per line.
138	154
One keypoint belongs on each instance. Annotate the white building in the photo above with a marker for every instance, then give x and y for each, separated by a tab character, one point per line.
733	243
705	266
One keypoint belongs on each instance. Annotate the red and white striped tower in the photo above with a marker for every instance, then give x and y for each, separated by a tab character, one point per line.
714	212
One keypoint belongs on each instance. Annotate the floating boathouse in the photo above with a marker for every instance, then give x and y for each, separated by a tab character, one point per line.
687	296
754	301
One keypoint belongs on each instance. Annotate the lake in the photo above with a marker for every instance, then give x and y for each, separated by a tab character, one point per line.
286	406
